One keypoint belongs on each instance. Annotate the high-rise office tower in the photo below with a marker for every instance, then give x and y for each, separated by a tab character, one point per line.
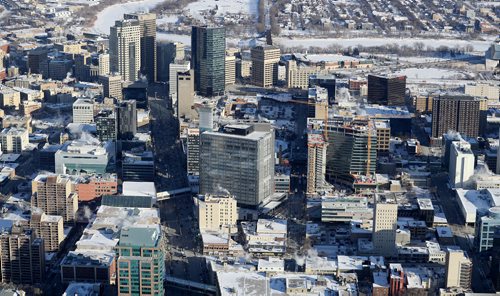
185	95
37	60
22	259
127	119
107	125
265	65
140	261
111	86
316	162
174	69
48	227
208	52
147	23
125	49
386	90
385	226
82	69
239	160
457	113
352	148
193	152
53	195
167	53
458	269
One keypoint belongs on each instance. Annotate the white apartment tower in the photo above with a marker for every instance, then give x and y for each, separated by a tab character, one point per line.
461	163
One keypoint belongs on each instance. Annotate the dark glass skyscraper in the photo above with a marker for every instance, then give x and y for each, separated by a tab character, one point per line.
208	51
386	90
127	119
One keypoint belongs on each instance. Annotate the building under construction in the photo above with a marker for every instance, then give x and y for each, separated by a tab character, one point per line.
352	148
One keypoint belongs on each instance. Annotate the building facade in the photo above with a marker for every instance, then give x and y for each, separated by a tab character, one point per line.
384	227
462	162
125	49
53	195
265	61
316	162
14	140
140	261
147	24
111	86
208	52
456	113
217	213
352	148
386	90
239	160
22	256
83	111
458	269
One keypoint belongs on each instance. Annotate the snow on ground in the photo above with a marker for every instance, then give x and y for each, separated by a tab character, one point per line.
170	19
420	60
248	7
346	42
329	58
186	39
431	73
107	17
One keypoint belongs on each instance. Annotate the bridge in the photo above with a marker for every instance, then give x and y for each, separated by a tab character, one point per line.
172	193
192	286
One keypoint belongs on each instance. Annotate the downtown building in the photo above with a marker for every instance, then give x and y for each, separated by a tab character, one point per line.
208	54
48	227
125	49
457	113
386	90
385	226
14	140
140	261
81	157
316	163
265	61
167	53
22	255
352	148
53	194
239	160
147	25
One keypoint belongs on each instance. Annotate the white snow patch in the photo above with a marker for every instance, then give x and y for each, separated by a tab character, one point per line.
431	73
107	17
248	7
478	45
